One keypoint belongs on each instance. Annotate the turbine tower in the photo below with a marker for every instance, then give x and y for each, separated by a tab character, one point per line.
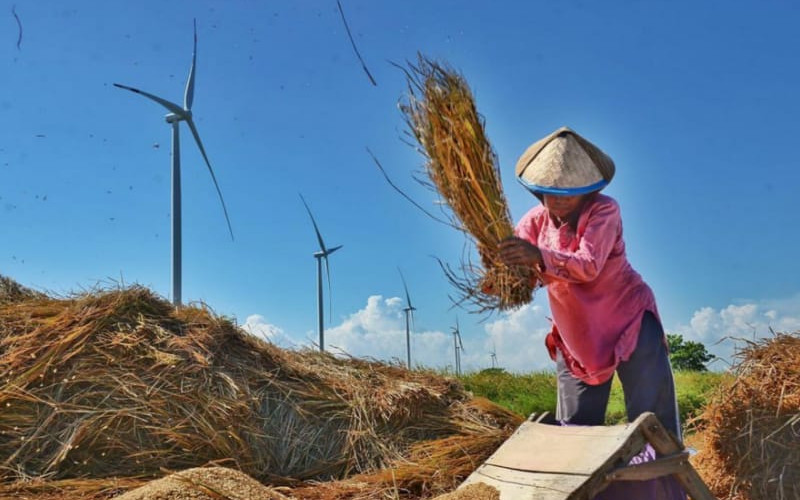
494	355
409	310
323	253
174	118
458	347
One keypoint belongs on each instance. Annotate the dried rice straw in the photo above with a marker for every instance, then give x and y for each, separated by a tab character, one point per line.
751	427
120	385
462	167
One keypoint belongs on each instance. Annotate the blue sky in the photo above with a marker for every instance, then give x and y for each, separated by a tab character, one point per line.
696	101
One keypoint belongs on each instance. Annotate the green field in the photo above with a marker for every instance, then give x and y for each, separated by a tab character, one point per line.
536	392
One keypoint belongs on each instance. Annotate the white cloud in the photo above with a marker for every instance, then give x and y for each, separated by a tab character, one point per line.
719	329
257	325
377	331
518	338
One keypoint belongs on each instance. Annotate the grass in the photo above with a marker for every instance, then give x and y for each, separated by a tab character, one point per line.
536	392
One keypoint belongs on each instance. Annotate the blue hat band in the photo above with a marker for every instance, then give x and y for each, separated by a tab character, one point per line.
537	189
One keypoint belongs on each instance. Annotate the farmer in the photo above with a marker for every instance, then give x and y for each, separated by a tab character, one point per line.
604	315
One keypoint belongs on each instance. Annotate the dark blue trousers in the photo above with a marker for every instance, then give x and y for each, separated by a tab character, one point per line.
648	385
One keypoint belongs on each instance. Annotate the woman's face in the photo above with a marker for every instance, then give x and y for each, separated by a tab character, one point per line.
562	206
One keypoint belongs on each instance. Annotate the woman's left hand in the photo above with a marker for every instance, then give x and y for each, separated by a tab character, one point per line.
515	251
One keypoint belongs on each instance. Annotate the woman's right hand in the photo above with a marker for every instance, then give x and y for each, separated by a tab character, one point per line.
515	251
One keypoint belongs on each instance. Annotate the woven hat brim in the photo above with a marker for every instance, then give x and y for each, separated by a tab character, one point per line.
603	162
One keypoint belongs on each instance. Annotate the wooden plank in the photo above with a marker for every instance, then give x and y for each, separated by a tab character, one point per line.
650	470
657	435
693	484
567	449
522	485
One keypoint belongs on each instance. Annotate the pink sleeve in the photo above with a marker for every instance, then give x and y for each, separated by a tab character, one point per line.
594	247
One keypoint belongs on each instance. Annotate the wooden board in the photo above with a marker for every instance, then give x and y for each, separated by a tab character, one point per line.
556	449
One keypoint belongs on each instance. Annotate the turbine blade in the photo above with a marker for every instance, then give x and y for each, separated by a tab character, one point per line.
316	229
167	104
458	334
331	250
190	122
408	297
330	293
188	95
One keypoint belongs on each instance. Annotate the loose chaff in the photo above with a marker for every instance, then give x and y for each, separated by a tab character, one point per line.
462	167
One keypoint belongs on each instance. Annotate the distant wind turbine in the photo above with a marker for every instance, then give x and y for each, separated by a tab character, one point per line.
175	116
323	253
494	355
409	310
458	347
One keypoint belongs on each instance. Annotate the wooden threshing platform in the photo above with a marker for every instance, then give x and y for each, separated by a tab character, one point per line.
552	462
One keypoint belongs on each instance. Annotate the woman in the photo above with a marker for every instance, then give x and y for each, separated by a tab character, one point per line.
605	318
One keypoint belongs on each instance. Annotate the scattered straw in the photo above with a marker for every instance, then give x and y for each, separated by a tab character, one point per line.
751	428
462	166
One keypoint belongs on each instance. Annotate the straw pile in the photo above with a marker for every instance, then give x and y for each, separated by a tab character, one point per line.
115	386
11	291
751	429
462	167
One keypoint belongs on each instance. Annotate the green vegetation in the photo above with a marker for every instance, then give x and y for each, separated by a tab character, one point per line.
686	354
524	394
536	392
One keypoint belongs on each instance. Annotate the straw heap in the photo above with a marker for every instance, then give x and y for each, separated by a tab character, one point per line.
751	429
462	167
119	386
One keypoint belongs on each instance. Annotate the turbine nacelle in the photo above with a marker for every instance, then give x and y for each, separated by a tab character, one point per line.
176	117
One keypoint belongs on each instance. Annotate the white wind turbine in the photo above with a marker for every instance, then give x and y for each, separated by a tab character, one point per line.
175	116
323	253
409	310
494	355
458	347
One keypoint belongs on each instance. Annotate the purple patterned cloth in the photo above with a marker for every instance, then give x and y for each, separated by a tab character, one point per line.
663	488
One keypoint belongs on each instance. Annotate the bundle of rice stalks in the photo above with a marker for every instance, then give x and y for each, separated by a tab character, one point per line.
120	384
751	428
462	167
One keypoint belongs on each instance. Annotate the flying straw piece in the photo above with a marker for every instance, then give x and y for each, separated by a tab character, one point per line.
353	43
462	166
19	26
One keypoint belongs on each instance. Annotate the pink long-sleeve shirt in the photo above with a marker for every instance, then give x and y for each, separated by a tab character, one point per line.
596	298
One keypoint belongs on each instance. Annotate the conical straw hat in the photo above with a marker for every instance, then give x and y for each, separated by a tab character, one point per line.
564	163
